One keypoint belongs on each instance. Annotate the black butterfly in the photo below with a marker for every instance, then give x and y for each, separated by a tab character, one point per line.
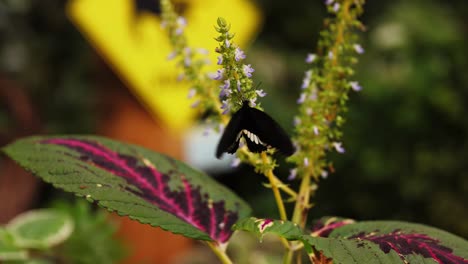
259	131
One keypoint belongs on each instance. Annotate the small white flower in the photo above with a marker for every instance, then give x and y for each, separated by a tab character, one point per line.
338	147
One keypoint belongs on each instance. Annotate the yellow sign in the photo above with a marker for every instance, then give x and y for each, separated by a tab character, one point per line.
134	44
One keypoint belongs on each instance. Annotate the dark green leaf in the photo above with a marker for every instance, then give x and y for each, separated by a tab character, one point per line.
147	186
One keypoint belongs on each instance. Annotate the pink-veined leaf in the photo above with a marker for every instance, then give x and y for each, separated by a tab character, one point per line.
388	242
147	186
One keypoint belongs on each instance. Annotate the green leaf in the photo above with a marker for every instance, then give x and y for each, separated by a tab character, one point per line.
260	227
40	229
8	250
147	186
387	242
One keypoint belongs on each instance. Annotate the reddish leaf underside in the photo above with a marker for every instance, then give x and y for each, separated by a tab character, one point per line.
405	244
187	203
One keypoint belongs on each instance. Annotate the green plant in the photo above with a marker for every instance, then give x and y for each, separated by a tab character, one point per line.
66	233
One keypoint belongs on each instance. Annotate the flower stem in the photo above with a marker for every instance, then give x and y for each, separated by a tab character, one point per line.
274	188
219	252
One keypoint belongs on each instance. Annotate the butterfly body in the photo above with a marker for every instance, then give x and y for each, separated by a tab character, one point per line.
258	130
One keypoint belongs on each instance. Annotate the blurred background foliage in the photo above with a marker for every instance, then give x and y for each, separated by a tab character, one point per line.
406	135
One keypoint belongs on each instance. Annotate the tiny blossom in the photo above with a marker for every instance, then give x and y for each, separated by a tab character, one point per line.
203	51
313	95
187	50
297	121
260	93
187	61
181	21
306	161
224	92
330	55
220	60
324	174
228	44
238	85
329	2
336	7
358	48
302	98
305	82
191	93
179	31
355	86
252	102
310	58
338	147
180	77
225	106
163	24
316	130
239	54
309	111
292	174
171	55
218	75
235	162
247	69
226	85
195	104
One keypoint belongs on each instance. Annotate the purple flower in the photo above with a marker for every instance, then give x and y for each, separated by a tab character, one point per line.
225	106
228	44
306	161
220	60
235	162
227	84
181	22
302	98
358	48
316	130
203	51
260	93
247	69
191	93
324	174
292	174
336	7
195	104
224	92
329	2
171	55
309	111
310	58
180	77
355	86
252	102
330	55
297	121
306	80
313	95
187	61
238	85
239	54
218	75
338	147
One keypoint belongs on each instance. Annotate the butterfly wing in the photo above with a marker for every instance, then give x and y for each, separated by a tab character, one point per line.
268	131
229	141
